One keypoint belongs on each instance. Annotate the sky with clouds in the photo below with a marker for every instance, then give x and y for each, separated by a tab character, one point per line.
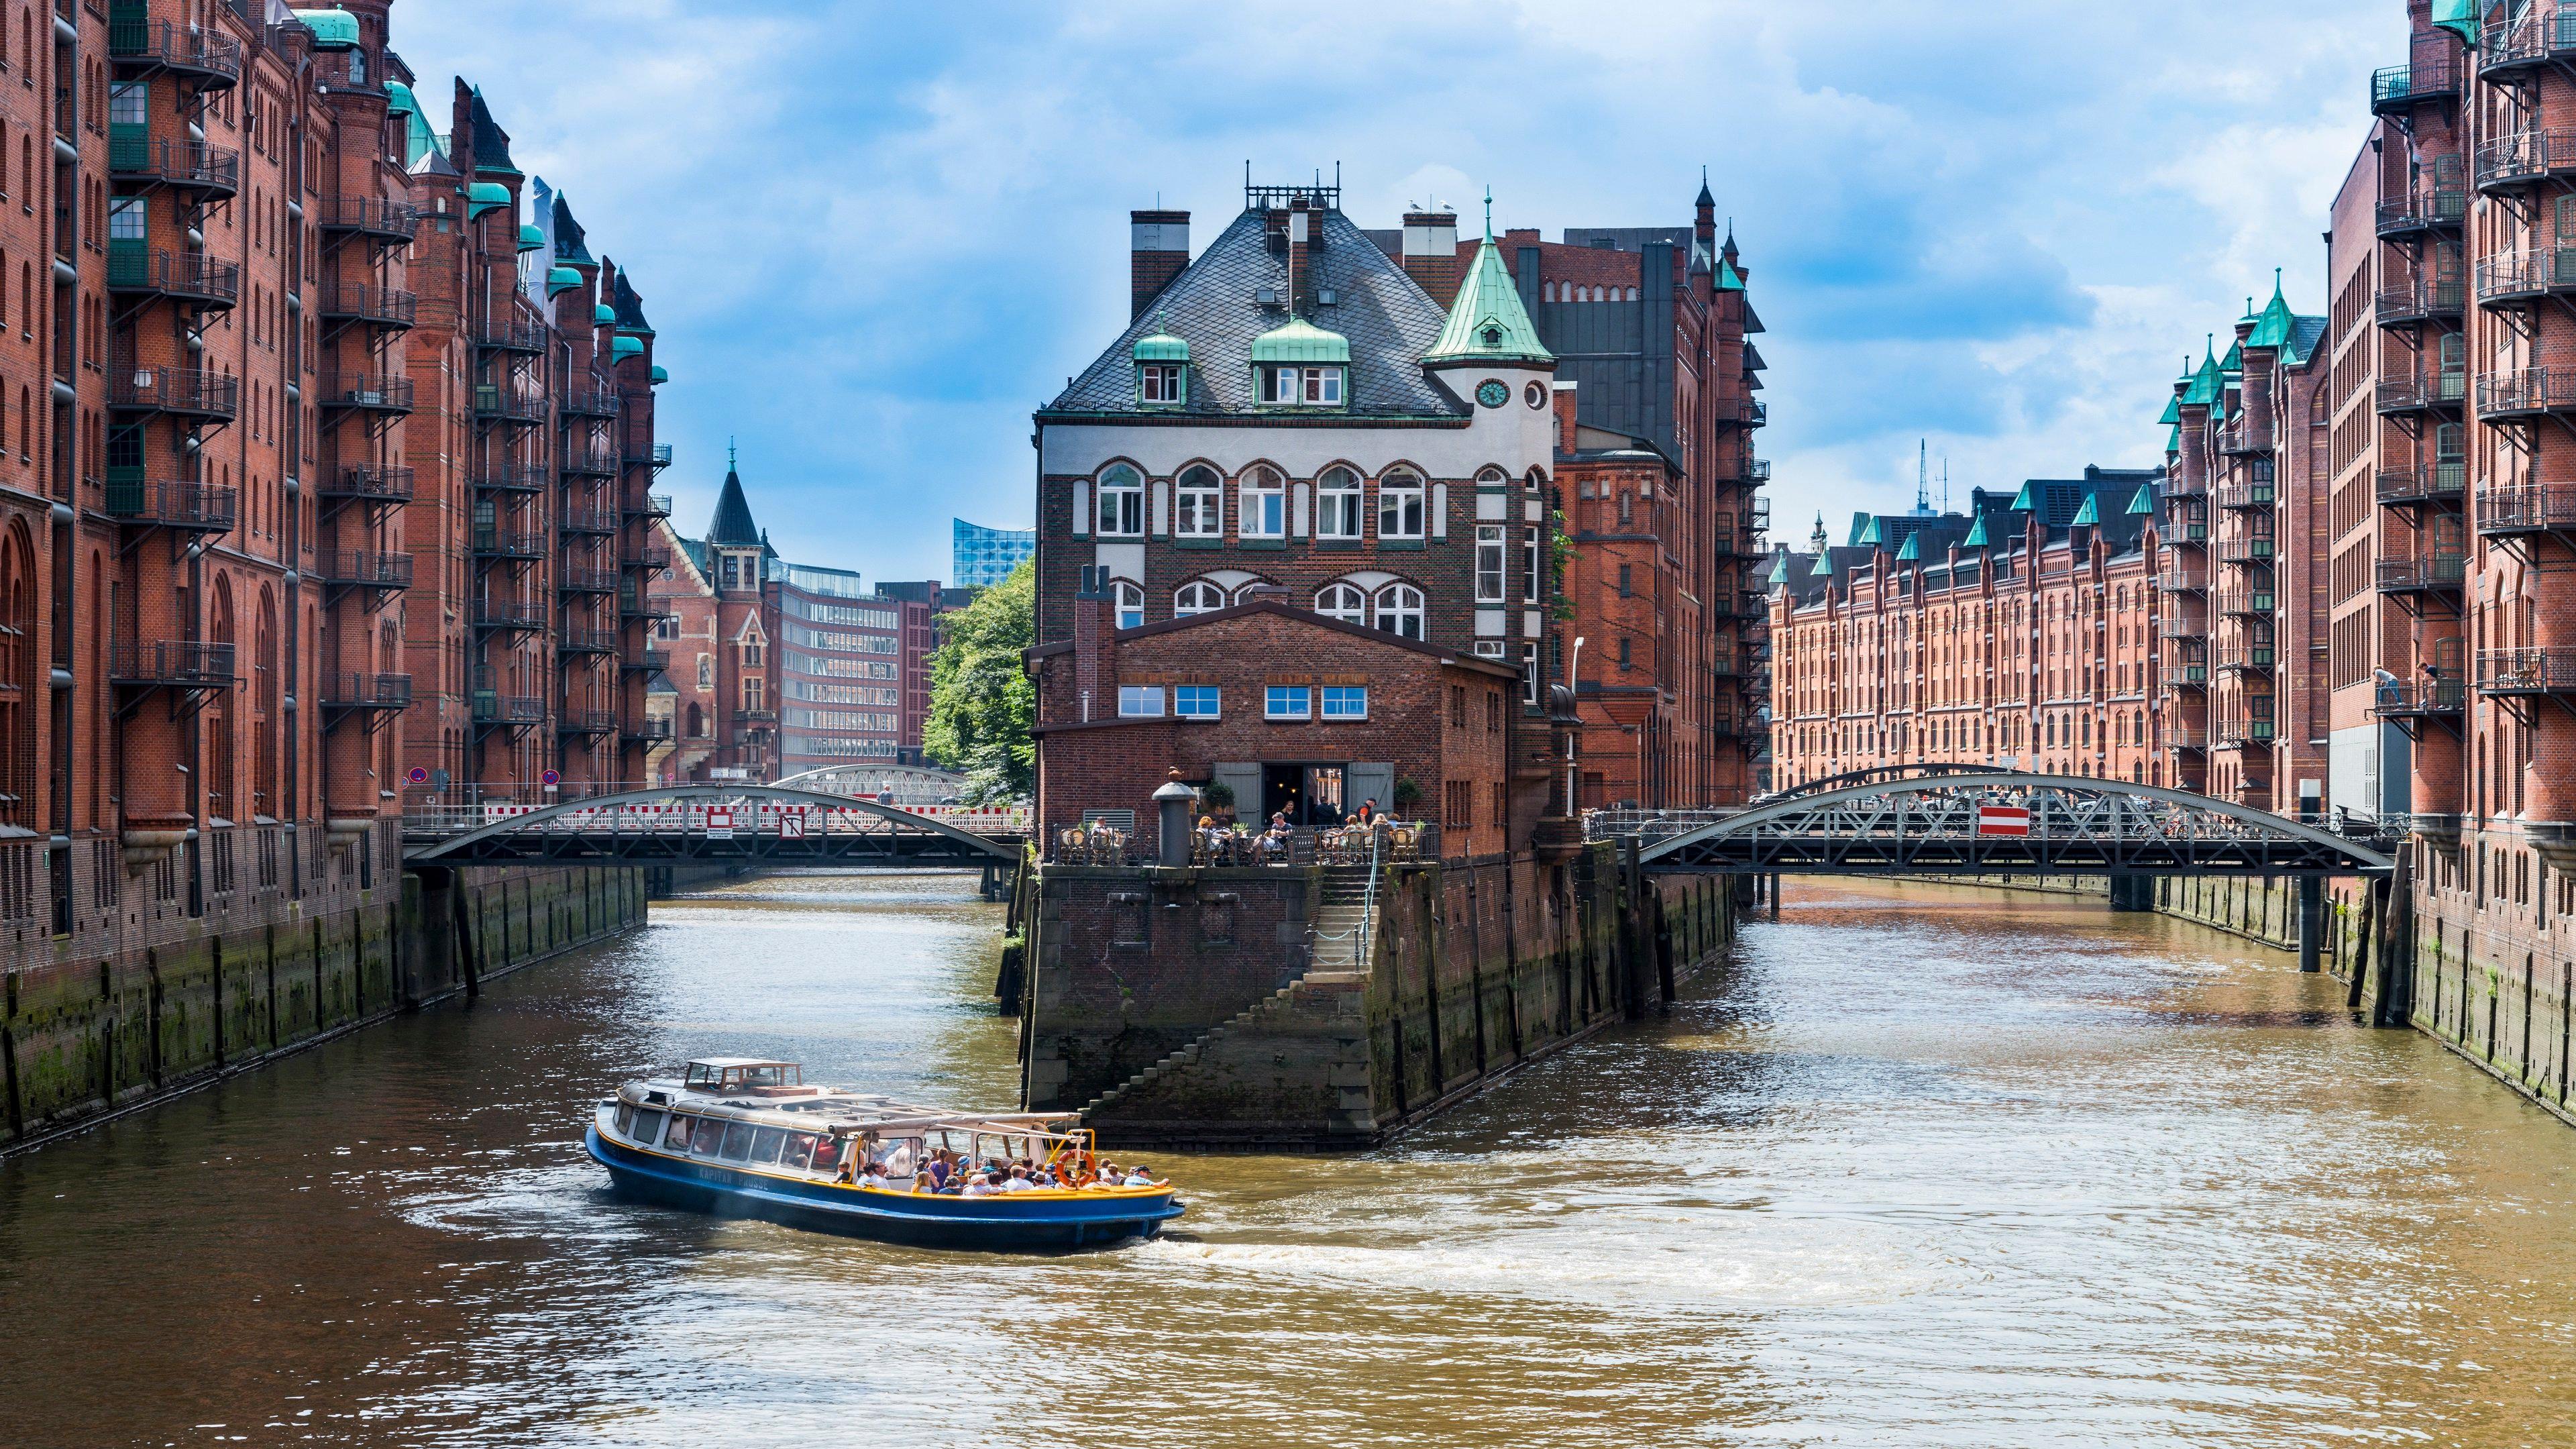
873	237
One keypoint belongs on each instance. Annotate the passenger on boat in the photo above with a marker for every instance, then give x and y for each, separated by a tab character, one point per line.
942	1167
980	1185
1018	1181
827	1154
1139	1176
1108	1176
924	1184
874	1176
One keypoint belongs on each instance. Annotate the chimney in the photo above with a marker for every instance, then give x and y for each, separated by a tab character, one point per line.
1301	244
1431	253
1161	241
1095	667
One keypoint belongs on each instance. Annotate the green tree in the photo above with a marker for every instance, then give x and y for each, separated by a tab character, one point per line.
981	703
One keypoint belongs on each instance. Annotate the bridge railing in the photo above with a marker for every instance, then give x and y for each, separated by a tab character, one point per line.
440	814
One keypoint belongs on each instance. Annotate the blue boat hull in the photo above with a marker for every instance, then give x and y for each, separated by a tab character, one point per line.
1011	1222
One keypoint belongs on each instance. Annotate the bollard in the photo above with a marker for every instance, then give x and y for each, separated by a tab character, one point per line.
1173	803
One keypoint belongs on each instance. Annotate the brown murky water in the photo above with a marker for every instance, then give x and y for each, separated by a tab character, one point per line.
1928	1167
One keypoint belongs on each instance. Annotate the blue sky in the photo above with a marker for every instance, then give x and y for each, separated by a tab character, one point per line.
873	239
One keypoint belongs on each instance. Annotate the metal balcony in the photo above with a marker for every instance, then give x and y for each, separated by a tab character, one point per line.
2422	699
2407	305
185	391
2240	658
365	392
191	507
493	542
631	605
2256	550
190	277
514	478
649	732
494	708
2244	734
2189	667
658	457
352	694
2246	495
2247	603
493	403
647	660
2527	673
572	579
2445	391
2193	741
2544	33
368	216
586	641
586	722
650	558
369	483
2183	581
512	616
2532	392
2435	573
511	336
590	462
2245	437
655	505
2546	508
590	403
2517	279
180	663
359	569
137	159
2524	158
2422	213
588	520
2176	623
206	57
2416	487
389	309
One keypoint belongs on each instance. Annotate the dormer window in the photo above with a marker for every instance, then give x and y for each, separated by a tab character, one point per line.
1160	384
1313	387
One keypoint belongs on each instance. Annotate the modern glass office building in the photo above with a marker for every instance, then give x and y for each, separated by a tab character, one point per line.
985	556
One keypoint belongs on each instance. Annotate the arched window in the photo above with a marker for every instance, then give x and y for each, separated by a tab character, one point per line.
1342	601
219	712
1262	511
1337	504
1202	503
1493	478
1399	505
18	671
1122	501
1131	605
697	721
1198	596
265	719
1399	610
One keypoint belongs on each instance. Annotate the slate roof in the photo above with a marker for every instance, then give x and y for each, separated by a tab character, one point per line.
569	236
1387	317
491	143
630	308
732	523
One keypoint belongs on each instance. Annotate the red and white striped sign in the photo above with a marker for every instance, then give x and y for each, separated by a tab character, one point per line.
2003	820
719	822
791	823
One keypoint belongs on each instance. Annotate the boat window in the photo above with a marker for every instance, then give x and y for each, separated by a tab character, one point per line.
706	1137
737	1141
625	1118
648	1125
800	1150
900	1155
679	1132
764	1146
827	1155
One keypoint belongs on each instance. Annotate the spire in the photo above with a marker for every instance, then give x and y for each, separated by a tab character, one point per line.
732	525
1487	322
1706	199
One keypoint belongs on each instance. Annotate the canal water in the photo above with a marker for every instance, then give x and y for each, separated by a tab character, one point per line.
1925	1166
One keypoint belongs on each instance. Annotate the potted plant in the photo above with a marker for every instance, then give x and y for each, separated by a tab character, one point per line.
1219	797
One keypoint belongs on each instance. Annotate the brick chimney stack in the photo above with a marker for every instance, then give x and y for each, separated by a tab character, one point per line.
1431	253
1095	623
1301	245
1161	242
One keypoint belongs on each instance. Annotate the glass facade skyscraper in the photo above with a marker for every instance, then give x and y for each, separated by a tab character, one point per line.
984	556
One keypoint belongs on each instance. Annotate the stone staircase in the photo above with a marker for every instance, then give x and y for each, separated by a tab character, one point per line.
1344	924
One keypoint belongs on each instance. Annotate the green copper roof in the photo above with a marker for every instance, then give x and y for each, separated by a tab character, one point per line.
2143	505
399	101
1161	346
2234	361
1976	535
2207	385
332	29
1728	278
419	141
1300	341
2457	15
561	279
2173	440
2088	515
2274	329
1869	534
1780	568
1824	568
2023	502
1487	322
603	315
485	196
1912	552
2173	412
624	348
531	239
661	374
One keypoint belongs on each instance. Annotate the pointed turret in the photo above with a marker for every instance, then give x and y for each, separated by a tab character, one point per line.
1487	323
733	523
491	143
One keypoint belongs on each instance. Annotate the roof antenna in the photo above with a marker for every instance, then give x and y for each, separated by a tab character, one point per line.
1922	476
1489	211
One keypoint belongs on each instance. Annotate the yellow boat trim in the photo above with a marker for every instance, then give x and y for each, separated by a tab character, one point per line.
1035	1194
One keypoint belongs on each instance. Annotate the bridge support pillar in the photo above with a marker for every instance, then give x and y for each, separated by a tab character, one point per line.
2312	923
2133	893
1774	888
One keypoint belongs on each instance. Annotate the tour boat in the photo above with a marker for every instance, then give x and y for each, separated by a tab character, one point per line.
748	1137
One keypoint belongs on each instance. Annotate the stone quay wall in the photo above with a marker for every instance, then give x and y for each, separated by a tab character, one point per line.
2494	969
93	1025
1184	1007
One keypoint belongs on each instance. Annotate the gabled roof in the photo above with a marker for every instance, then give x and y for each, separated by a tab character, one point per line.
491	143
732	524
1487	322
2144	502
2273	327
2089	515
569	236
1384	315
2208	384
2305	331
630	308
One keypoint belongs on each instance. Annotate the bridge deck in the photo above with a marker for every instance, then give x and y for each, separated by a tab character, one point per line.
740	823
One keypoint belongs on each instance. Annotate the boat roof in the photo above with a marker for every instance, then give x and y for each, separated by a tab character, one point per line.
841	1109
720	1063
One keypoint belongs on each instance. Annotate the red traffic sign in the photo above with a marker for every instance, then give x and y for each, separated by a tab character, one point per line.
2003	820
791	823
418	776
719	822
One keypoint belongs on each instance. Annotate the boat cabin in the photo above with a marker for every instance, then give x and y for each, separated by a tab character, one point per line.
745	1076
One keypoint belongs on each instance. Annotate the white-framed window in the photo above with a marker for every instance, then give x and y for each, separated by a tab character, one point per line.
1342	601
1314	387
1492	478
1122	501
1195	701
1198	596
1337	504
1140	701
1399	610
1489	563
1346	701
1489	648
1529	566
1287	701
1399	506
1202	503
1262	510
1161	384
1529	674
1131	605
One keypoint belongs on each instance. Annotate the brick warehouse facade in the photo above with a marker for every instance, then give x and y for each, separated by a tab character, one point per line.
237	527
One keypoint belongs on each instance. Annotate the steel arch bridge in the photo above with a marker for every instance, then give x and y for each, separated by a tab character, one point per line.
721	823
1997	821
876	778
